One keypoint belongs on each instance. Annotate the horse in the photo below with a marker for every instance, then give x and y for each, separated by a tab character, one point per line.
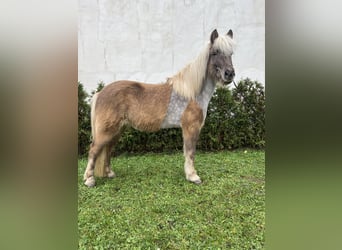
181	101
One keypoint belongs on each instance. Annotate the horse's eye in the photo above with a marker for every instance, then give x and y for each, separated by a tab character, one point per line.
214	53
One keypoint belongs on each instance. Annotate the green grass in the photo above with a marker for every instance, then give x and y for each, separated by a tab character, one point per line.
150	205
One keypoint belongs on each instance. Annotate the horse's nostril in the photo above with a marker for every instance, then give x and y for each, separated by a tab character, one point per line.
229	73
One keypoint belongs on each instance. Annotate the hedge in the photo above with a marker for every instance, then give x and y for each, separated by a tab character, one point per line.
84	129
235	119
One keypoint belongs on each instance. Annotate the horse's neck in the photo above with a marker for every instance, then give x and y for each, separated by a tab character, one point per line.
204	97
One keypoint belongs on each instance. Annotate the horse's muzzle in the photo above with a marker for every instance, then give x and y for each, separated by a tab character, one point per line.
229	75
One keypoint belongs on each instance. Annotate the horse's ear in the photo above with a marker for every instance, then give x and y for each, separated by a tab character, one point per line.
230	34
213	36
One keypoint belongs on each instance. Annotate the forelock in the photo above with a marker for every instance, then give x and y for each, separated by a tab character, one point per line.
224	44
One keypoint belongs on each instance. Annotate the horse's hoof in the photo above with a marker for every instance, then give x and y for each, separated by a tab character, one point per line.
88	174
198	182
90	182
111	174
194	179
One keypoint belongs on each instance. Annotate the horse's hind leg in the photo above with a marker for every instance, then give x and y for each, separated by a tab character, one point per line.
192	120
109	171
95	149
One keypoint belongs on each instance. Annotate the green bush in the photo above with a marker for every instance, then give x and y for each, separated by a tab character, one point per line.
84	129
249	97
235	119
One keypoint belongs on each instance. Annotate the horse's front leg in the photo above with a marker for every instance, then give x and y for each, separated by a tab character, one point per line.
189	154
192	121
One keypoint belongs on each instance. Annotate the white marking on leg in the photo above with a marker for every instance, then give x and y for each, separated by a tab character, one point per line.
190	171
88	172
110	173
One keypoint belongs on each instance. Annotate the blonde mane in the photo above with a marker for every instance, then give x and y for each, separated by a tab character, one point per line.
188	82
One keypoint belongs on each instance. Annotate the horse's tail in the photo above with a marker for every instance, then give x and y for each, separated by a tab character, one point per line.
101	159
92	116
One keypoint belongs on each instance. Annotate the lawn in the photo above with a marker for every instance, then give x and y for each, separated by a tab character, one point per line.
150	205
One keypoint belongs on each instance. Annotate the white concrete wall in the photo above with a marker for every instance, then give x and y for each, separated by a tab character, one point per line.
150	40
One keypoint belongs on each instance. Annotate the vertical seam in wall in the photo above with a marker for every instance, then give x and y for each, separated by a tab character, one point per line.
203	25
173	39
98	21
140	67
235	15
99	40
80	34
105	56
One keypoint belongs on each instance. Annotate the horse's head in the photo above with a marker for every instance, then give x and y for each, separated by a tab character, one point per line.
220	66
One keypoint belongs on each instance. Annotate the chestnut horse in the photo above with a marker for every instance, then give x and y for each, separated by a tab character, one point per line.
181	101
